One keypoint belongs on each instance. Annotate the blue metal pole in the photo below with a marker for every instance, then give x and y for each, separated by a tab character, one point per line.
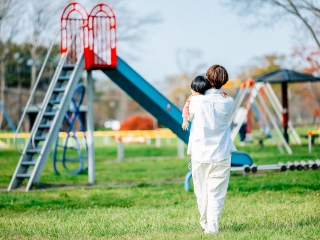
187	181
13	128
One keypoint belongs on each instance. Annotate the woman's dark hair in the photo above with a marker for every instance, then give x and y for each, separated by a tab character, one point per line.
200	84
217	76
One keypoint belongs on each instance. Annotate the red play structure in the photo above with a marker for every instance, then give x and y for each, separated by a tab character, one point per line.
95	34
88	41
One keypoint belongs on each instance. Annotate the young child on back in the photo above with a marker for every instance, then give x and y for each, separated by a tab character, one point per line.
199	86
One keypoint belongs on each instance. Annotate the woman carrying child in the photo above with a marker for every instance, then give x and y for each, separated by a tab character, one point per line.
210	147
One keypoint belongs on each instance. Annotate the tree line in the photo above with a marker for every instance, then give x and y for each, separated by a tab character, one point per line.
26	30
27	27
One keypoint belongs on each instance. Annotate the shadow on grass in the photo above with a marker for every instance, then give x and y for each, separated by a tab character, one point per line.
42	186
247	227
108	185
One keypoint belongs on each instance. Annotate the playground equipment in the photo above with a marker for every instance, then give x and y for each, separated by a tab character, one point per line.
251	92
273	100
88	41
71	155
284	77
239	160
292	166
7	116
312	135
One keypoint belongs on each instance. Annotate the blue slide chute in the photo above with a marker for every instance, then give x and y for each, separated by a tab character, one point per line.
156	104
148	97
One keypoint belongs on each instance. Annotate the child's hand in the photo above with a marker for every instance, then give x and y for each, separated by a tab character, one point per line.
185	125
224	94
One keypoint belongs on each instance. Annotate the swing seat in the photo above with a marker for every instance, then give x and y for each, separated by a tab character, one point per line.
239	159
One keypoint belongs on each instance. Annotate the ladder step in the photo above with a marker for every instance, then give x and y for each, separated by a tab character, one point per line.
40	138
68	67
24	175
50	114
33	150
54	102
29	163
44	126
59	90
63	78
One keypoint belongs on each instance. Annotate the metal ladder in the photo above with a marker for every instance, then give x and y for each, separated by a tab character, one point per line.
48	121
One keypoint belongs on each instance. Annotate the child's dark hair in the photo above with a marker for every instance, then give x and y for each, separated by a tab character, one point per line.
200	84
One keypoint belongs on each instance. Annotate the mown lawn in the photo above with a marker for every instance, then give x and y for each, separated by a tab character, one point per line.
143	197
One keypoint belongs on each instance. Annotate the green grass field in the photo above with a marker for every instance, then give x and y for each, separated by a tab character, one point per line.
143	197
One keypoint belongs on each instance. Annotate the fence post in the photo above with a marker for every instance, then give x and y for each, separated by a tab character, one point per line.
106	140
148	140
180	145
120	150
310	141
158	140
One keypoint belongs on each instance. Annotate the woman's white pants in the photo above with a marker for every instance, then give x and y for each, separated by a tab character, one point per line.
210	181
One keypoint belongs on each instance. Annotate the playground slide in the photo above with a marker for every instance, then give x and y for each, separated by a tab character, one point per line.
155	103
148	97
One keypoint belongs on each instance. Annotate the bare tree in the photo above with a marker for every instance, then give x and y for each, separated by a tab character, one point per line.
43	17
261	65
306	11
190	65
131	28
8	30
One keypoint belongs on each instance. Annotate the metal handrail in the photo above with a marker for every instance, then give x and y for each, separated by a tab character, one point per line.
53	83
34	90
36	84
